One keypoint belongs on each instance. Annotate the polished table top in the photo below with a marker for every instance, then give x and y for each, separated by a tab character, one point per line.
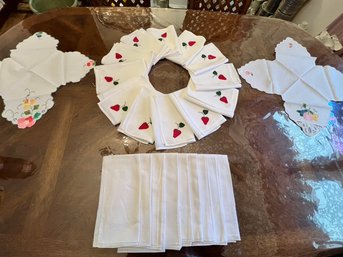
288	187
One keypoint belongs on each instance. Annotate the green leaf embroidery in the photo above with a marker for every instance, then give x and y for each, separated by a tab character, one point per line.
27	112
36	107
181	125
37	115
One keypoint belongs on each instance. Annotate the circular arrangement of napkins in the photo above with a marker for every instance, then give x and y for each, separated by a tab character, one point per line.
170	120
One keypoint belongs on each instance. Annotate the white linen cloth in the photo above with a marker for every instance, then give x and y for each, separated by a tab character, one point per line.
305	87
207	59
144	41
202	121
121	52
222	77
113	75
35	70
169	38
190	45
221	101
154	202
170	129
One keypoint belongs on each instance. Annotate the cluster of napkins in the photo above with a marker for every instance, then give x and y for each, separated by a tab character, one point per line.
170	120
154	202
305	87
34	70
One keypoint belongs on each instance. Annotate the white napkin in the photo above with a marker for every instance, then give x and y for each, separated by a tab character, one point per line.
118	221
121	52
190	45
223	77
113	75
137	123
116	104
168	37
207	59
144	41
202	121
221	101
170	129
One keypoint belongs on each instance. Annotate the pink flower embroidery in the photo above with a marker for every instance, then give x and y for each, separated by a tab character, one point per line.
26	122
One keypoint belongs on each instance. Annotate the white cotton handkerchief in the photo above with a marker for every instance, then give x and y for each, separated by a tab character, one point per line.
207	59
202	121
170	129
221	101
168	37
117	104
189	45
121	52
137	123
144	41
113	75
222	77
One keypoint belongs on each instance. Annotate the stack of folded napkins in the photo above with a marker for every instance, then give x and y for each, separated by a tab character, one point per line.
170	120
154	202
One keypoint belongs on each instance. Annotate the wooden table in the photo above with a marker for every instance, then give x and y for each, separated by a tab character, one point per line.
288	186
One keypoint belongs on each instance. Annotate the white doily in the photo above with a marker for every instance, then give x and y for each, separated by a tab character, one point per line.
170	120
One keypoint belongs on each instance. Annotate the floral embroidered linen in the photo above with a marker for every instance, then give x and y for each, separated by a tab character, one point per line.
35	70
305	87
173	119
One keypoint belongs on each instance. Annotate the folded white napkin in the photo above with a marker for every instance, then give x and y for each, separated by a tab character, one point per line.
170	129
117	104
113	75
121	52
221	101
202	121
137	123
169	38
144	41
222	77
207	59
173	200
190	45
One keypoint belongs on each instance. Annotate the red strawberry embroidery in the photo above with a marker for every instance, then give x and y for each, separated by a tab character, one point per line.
204	118
108	79
221	77
118	56
135	39
191	43
177	132
223	99
249	73
211	57
115	107
145	125
164	35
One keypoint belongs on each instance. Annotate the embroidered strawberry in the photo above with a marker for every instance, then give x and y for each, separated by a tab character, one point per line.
204	118
249	73
211	57
135	41
290	45
145	125
115	107
221	77
108	79
164	35
118	56
191	43
177	132
223	99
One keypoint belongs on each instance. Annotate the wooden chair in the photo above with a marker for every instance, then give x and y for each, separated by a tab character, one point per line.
119	3
232	6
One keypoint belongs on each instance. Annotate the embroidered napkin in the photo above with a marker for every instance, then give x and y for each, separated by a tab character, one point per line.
190	45
202	121
153	202
222	77
33	72
137	124
170	129
207	59
221	101
305	87
144	41
113	75
169	38
116	105
121	52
